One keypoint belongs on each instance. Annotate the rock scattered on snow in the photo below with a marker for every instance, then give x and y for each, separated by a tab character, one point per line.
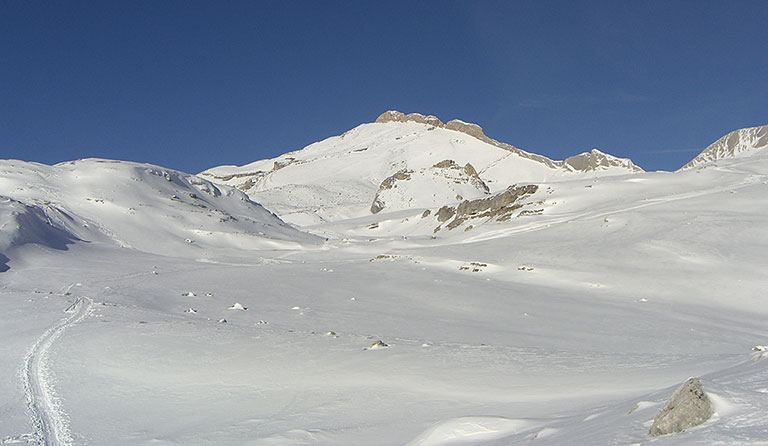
378	345
238	306
189	294
689	406
191	310
222	321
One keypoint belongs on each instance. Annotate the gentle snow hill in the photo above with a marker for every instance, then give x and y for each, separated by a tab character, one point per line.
737	144
133	205
400	162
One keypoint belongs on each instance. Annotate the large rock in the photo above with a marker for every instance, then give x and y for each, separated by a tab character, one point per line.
689	406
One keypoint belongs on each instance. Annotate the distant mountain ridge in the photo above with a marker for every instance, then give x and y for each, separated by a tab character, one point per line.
736	144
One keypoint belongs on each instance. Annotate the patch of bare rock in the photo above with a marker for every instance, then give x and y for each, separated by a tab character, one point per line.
500	207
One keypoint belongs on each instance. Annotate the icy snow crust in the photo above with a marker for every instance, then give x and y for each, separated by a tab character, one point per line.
567	327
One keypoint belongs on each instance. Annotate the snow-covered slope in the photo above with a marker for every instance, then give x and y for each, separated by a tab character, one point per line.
399	162
737	144
132	205
570	326
556	313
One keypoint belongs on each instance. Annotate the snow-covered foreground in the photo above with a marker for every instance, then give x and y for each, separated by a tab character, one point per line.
571	327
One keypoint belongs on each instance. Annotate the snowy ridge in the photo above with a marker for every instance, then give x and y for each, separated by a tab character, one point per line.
129	204
343	176
737	144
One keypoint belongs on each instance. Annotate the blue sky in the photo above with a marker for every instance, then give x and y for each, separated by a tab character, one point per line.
191	85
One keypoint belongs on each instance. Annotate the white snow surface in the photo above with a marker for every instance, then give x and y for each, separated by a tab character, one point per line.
631	284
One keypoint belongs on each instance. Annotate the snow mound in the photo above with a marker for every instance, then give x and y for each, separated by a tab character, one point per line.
22	224
468	430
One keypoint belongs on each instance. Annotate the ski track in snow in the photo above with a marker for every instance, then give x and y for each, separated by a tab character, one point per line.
50	423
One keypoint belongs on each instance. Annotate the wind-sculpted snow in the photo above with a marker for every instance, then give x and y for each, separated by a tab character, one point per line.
132	205
22	224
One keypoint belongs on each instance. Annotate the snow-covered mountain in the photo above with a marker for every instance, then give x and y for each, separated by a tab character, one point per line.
400	162
132	205
518	301
737	144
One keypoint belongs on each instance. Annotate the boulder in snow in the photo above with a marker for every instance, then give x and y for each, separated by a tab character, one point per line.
689	406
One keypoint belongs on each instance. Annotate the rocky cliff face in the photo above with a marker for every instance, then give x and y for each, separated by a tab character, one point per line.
733	145
596	160
499	207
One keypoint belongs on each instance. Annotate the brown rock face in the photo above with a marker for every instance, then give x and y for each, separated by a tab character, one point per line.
468	128
445	213
396	116
496	204
500	206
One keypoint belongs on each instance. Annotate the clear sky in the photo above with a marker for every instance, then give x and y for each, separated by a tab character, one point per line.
191	85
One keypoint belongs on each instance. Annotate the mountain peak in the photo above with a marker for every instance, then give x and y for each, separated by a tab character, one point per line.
597	160
738	143
396	116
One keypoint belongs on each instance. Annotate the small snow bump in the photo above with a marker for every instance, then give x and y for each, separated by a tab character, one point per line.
238	306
